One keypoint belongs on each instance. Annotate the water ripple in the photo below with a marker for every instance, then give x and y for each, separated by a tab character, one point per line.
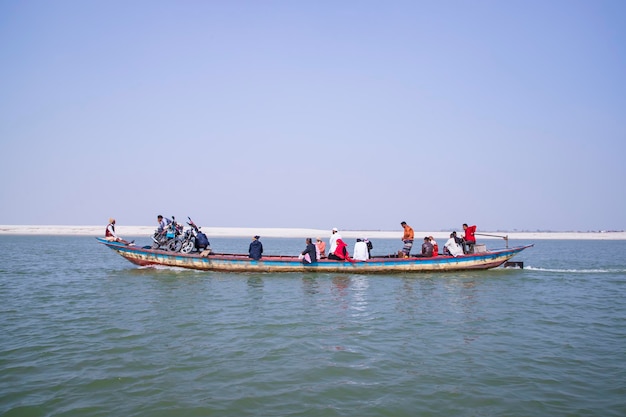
95	336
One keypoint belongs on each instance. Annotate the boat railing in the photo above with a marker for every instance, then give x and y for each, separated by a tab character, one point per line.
506	238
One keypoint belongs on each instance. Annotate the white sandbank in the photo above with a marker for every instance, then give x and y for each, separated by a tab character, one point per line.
294	233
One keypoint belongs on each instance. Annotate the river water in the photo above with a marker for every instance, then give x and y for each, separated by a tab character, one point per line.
85	333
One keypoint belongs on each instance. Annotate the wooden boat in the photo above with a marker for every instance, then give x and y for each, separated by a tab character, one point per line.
241	263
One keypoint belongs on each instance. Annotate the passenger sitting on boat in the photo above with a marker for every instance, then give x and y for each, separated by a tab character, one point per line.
427	249
360	251
458	240
321	248
309	254
341	253
111	236
469	240
370	246
452	247
435	245
255	251
332	242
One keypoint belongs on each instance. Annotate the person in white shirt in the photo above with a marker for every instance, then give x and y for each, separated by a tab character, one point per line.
452	248
332	243
360	251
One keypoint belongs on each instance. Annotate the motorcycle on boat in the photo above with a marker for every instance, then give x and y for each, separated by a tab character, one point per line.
169	238
193	239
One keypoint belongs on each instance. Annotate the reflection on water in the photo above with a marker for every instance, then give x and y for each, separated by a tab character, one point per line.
455	302
310	284
359	289
255	282
255	293
339	288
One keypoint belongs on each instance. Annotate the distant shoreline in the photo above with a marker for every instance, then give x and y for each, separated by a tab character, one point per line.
295	233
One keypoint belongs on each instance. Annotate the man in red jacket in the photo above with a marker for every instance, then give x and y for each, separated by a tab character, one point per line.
469	240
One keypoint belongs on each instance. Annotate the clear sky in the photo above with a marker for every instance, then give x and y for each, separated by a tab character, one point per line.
357	114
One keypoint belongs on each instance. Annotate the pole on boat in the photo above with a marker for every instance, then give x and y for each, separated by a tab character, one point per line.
506	238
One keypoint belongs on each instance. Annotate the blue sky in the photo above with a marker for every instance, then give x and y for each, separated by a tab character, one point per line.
357	114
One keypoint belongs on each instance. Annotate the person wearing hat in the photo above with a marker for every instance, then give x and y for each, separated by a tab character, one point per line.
332	243
111	236
255	251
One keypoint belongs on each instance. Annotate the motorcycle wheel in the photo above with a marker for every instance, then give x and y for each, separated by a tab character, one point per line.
187	246
174	245
155	245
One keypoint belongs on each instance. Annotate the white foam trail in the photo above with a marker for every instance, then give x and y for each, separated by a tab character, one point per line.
578	271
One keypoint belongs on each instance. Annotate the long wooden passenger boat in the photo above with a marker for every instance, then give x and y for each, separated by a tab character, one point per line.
145	256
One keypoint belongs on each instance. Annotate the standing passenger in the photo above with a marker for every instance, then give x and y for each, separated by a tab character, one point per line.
407	239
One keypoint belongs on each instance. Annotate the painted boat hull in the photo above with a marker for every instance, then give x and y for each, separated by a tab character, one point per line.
241	263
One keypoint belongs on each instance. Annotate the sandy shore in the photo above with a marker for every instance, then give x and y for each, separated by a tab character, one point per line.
284	232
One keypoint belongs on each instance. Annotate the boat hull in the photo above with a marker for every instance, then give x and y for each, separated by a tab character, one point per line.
241	263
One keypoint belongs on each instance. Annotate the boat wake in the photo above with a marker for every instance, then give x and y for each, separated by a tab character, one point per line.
578	271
